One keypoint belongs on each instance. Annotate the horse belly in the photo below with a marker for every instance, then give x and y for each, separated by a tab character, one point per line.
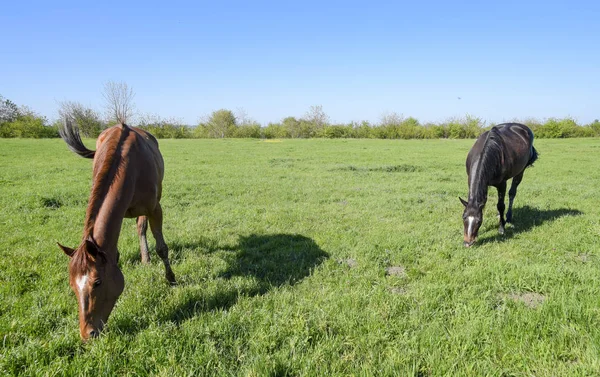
141	208
137	212
144	201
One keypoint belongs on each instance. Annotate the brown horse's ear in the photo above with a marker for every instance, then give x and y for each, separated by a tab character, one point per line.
463	201
91	246
67	250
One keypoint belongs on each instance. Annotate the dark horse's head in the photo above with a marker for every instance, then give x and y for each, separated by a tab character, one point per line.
97	282
472	219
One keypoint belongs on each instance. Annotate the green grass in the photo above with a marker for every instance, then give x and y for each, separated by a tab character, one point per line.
281	251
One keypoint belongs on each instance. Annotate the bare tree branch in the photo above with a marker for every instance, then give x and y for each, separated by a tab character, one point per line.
391	119
88	120
317	117
118	97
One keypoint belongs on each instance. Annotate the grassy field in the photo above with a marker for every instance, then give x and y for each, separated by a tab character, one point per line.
311	258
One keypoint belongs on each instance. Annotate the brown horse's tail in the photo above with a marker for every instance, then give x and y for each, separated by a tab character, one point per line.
70	134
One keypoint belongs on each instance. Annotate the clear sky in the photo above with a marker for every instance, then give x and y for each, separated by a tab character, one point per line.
359	60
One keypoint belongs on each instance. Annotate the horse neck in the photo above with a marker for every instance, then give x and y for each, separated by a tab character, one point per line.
105	225
109	198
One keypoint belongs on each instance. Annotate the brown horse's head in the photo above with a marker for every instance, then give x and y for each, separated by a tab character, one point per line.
97	282
472	219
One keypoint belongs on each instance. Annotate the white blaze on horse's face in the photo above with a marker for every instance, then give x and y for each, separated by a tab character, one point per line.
471	222
81	281
470	228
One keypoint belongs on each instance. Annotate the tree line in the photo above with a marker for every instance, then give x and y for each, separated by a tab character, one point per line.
22	122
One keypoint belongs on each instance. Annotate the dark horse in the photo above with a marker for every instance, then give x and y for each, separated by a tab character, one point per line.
498	155
126	182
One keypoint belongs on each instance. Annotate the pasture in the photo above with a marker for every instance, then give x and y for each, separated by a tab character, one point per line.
311	257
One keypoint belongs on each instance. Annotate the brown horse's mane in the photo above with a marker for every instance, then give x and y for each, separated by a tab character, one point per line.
82	257
81	260
107	165
108	161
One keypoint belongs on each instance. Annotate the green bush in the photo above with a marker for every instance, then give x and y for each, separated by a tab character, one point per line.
456	130
248	131
275	131
559	128
28	126
335	131
21	122
168	130
594	127
364	130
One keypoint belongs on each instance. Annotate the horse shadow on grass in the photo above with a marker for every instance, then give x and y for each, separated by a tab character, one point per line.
526	218
266	261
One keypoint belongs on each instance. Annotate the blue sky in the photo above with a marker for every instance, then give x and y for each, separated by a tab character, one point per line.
359	60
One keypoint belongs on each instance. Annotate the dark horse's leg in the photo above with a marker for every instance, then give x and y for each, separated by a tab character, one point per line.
501	193
161	247
142	226
511	195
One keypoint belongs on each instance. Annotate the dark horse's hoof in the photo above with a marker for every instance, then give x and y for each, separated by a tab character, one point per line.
171	277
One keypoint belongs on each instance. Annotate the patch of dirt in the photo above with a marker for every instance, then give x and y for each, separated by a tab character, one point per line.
348	262
396	271
397	290
530	299
583	257
382	169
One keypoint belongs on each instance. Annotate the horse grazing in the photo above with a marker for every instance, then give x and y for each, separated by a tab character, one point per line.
126	182
498	155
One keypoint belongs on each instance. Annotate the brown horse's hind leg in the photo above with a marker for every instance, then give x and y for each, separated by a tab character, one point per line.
161	247
142	226
511	195
501	193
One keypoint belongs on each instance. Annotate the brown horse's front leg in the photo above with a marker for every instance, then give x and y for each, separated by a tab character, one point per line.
161	247
501	193
142	226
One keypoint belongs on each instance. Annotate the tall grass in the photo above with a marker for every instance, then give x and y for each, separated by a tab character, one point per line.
312	258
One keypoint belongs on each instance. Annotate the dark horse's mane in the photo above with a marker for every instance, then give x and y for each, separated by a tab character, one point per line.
490	162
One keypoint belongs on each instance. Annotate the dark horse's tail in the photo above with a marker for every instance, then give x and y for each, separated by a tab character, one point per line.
533	153
70	134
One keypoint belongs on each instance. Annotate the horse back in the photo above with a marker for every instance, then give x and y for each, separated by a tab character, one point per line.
514	152
517	147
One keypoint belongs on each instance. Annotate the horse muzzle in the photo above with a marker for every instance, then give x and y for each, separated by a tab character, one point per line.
90	332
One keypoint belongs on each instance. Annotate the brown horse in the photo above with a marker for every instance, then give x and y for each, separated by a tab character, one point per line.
126	182
498	155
